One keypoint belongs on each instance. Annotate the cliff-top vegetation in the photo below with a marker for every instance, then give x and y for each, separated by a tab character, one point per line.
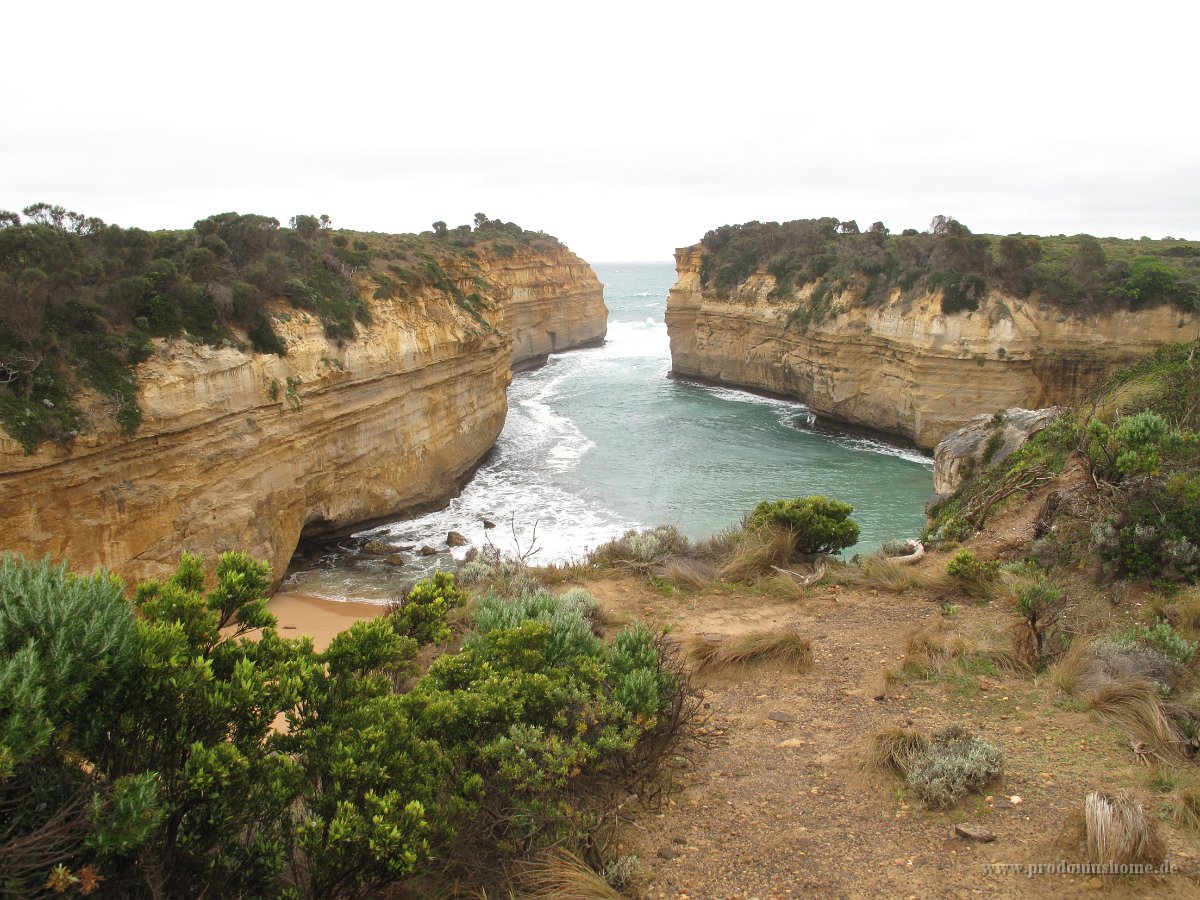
178	745
80	300
1080	273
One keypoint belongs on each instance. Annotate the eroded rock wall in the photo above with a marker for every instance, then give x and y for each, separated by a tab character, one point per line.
903	367
247	451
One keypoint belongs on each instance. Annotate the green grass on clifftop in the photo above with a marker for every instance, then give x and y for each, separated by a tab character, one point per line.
80	300
1077	274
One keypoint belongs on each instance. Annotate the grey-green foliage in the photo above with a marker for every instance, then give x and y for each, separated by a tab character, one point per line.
952	766
641	680
640	549
571	634
582	602
475	571
1163	638
61	635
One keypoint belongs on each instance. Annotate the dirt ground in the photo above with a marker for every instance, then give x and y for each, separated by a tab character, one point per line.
778	805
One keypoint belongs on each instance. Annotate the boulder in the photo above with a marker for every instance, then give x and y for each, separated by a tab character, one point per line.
428	551
454	539
377	547
973	832
983	441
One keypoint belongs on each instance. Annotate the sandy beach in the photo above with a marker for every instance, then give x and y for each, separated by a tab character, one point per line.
317	617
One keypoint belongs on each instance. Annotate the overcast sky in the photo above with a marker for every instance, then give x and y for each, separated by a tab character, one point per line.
626	129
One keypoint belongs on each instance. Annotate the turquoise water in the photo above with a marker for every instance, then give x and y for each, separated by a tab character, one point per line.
602	440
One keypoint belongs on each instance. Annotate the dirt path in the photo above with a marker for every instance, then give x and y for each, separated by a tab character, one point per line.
777	807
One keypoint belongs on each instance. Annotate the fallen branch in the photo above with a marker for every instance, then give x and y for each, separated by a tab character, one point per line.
813	577
918	553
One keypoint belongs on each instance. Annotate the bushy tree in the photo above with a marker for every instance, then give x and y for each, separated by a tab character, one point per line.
820	525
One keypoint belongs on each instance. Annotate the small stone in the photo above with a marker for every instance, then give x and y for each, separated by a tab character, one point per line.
428	551
667	852
404	548
790	742
454	539
679	839
778	715
396	559
488	523
1018	730
973	832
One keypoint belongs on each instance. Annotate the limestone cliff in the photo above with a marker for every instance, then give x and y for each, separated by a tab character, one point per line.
557	303
244	450
903	367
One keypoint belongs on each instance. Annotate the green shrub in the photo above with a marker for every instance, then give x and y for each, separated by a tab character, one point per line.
966	566
161	715
820	525
422	613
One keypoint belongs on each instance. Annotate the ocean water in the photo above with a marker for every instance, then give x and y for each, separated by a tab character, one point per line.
601	440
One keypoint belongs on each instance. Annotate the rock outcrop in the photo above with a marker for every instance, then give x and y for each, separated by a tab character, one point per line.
983	441
557	303
250	451
903	367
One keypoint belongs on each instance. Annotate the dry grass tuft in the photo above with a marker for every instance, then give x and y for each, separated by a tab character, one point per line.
1185	806
884	574
1118	832
686	573
561	875
704	650
784	646
894	751
1183	612
754	552
1071	667
931	652
1134	708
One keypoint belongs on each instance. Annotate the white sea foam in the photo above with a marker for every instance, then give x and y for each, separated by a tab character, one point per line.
644	339
790	413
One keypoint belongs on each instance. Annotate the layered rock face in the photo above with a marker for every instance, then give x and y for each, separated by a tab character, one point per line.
557	303
246	451
904	368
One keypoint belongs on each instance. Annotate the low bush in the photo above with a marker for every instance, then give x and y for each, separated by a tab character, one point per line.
640	550
1036	636
952	766
1163	638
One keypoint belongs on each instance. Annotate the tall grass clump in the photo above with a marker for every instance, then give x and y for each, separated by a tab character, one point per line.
783	646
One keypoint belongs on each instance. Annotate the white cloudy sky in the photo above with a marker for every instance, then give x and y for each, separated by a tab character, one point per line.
626	129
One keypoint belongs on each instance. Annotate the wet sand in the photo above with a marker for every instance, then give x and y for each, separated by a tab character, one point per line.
316	617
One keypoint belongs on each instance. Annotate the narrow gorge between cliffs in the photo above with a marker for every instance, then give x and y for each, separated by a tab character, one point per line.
601	440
